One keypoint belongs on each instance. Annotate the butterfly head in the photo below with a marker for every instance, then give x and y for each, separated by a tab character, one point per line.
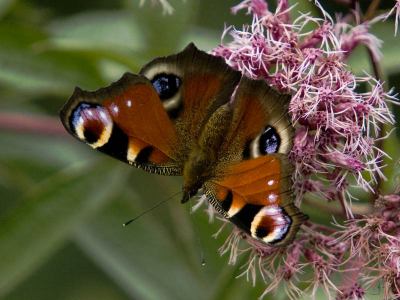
187	194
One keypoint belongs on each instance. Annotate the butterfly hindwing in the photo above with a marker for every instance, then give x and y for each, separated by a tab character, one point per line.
256	195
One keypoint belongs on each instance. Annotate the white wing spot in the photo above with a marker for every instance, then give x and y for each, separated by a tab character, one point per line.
271	210
103	115
129	103
271	182
272	197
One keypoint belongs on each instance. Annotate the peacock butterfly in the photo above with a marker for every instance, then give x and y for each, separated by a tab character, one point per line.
191	114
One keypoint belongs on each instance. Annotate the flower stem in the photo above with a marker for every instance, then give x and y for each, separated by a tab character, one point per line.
372	9
320	227
378	75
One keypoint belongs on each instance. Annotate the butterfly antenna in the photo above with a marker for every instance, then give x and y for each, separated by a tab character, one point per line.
203	262
151	208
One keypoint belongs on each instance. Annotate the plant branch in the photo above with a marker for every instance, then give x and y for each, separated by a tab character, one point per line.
31	124
320	227
378	75
372	9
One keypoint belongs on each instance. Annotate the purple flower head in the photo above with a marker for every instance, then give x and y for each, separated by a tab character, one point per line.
338	131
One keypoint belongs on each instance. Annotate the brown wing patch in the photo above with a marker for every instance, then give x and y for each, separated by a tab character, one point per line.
225	201
137	148
195	90
206	82
258	108
261	181
139	113
250	114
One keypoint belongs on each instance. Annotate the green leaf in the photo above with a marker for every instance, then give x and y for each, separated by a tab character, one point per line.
26	35
114	30
140	256
162	33
5	5
42	221
24	70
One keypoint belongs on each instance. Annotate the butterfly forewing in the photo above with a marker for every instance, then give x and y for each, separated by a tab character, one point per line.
261	120
117	121
206	82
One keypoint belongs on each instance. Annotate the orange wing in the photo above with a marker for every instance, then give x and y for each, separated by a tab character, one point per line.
256	196
126	121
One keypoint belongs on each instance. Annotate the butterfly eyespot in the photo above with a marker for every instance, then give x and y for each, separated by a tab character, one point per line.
269	141
166	85
271	224
92	124
266	142
262	233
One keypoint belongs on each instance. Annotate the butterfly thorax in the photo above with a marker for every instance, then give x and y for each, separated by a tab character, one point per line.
200	164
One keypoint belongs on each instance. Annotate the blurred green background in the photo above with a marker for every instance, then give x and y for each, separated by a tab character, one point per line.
62	204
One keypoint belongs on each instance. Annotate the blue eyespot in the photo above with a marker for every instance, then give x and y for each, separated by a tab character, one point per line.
75	118
166	85
269	141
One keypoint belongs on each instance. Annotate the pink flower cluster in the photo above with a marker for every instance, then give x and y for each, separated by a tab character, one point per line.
337	130
337	125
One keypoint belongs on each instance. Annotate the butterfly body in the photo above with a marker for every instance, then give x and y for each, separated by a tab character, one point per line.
190	114
205	161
